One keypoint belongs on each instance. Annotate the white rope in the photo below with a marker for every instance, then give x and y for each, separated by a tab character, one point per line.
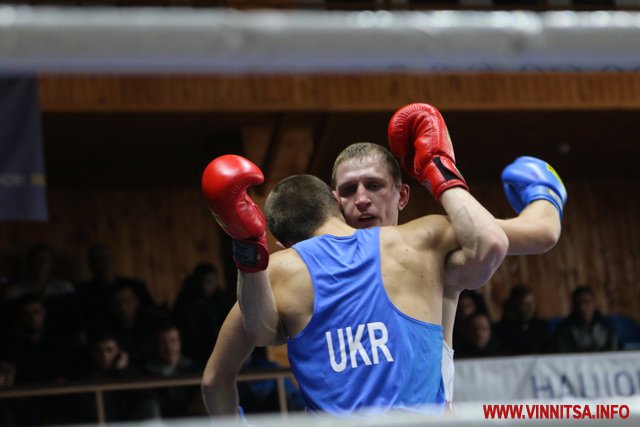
220	40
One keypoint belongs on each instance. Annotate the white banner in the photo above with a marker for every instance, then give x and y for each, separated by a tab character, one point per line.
588	376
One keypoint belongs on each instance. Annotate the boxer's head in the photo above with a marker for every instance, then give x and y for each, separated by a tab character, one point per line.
367	183
297	206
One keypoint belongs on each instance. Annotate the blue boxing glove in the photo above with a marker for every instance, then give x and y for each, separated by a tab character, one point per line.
528	179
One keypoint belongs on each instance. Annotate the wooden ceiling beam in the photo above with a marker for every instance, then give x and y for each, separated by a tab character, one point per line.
340	93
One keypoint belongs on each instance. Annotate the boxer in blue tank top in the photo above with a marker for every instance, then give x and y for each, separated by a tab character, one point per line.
361	310
369	189
358	350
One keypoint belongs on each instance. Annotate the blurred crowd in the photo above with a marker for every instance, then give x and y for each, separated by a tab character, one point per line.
109	328
521	331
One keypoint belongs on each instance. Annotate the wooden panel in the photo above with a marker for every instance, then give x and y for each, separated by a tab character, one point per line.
118	150
156	235
368	92
159	235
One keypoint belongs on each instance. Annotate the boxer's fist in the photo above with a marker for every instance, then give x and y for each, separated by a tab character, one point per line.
528	179
224	186
419	138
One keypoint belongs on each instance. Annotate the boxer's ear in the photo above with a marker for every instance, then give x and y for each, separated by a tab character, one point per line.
280	245
404	191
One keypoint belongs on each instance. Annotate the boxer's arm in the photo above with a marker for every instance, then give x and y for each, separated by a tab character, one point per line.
232	348
289	307
536	192
225	183
482	243
418	136
258	305
536	230
469	239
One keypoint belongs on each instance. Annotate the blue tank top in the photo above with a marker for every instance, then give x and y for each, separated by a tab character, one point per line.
359	352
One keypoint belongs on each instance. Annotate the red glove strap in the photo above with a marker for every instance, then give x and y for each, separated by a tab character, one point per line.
251	255
442	174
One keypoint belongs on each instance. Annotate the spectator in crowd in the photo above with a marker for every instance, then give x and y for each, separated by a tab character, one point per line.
520	329
199	310
167	361
37	278
469	302
262	396
105	361
32	353
585	329
478	339
37	352
94	294
131	321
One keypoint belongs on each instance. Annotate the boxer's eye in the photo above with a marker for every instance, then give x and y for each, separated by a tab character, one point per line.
347	190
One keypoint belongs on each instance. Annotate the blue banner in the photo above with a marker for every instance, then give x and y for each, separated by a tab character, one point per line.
22	172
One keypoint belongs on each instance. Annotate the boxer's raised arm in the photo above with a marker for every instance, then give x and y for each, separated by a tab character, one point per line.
259	308
483	244
536	192
224	186
419	137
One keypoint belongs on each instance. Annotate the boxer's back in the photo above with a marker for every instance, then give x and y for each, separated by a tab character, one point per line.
412	263
358	345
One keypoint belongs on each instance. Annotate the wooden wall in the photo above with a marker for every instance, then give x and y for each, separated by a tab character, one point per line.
159	235
342	92
124	155
155	235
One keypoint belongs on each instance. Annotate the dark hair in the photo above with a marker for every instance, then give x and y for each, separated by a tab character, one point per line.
581	290
478	301
102	335
518	292
192	285
362	150
122	285
37	249
27	299
577	293
32	254
297	206
477	313
97	251
162	325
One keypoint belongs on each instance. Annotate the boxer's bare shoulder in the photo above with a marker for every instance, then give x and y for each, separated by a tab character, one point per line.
428	232
292	288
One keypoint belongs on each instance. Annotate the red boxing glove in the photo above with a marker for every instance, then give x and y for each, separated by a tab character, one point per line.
419	138
224	186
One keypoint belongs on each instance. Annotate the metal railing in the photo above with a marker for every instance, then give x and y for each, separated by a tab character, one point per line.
98	389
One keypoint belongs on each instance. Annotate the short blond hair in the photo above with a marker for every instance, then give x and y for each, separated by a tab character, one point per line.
362	150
